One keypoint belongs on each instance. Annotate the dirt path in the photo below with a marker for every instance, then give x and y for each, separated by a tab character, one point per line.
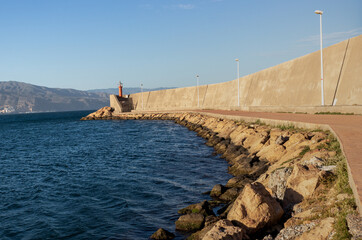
347	127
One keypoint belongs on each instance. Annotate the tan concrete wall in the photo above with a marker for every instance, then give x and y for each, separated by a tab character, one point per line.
113	101
349	91
295	83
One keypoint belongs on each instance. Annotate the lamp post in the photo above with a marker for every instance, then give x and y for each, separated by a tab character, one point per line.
142	94
198	93
322	87
237	64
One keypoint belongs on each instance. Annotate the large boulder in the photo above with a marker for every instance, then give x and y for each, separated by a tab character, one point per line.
255	141
105	112
224	230
238	135
294	140
162	234
255	208
190	222
226	128
271	153
301	184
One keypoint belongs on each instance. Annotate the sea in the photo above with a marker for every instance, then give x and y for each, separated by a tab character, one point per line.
62	178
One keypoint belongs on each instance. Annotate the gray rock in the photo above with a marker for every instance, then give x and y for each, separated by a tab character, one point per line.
278	182
292	232
162	234
269	237
331	168
355	226
281	140
315	161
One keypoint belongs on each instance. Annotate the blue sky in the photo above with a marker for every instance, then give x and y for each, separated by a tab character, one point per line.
88	44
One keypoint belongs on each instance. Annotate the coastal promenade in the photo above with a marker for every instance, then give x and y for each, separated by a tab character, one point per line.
348	128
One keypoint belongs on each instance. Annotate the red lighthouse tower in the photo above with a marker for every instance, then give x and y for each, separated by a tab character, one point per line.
120	89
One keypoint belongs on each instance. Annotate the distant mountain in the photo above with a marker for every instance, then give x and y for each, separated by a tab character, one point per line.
22	97
126	91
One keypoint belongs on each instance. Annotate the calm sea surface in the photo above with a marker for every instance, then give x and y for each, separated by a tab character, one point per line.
61	178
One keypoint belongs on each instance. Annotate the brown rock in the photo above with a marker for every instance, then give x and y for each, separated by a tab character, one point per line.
217	190
227	129
236	136
211	220
295	139
105	112
250	165
255	208
255	142
318	153
301	184
232	152
225	210
200	234
297	218
274	134
224	230
280	140
318	136
271	153
230	194
162	234
190	222
238	181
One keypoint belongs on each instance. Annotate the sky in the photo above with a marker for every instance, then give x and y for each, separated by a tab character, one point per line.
94	44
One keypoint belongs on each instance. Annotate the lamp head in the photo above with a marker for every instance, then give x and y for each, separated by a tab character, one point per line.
237	60
318	12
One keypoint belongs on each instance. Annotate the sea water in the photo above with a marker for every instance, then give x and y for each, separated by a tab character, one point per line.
62	178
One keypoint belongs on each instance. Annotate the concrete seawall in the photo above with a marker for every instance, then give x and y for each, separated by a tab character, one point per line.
290	86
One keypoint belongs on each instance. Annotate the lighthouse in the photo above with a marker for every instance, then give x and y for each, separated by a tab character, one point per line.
120	89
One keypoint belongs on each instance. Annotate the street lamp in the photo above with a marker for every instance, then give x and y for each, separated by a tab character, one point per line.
237	63
142	94
198	94
322	90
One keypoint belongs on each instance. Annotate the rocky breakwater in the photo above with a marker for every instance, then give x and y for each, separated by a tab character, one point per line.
288	183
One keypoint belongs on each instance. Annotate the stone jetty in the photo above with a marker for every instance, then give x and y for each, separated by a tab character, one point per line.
287	183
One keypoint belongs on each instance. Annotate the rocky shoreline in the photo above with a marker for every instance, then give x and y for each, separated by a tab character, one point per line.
288	183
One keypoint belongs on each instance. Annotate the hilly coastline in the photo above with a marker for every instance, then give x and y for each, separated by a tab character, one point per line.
126	91
18	97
